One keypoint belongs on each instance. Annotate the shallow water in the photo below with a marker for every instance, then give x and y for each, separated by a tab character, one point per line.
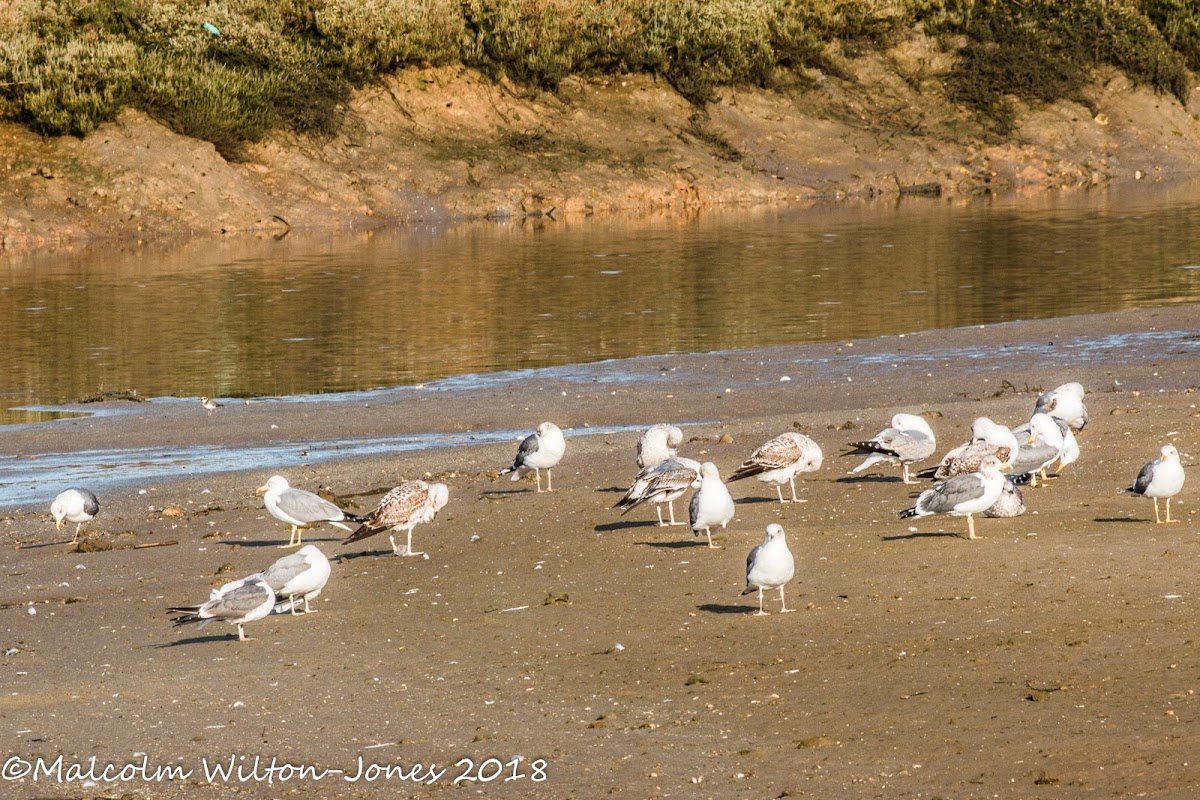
309	315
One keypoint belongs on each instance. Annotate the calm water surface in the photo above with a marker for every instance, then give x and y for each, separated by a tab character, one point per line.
309	315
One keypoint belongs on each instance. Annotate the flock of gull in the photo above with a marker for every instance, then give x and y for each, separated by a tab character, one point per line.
979	477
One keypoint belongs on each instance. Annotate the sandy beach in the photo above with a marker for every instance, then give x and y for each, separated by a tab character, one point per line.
551	647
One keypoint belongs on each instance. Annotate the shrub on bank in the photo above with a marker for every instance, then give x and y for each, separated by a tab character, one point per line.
229	71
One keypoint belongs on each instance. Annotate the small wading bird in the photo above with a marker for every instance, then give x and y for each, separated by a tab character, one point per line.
74	505
770	566
237	603
907	441
298	578
541	450
210	405
402	509
300	509
712	504
664	482
780	460
963	495
1162	477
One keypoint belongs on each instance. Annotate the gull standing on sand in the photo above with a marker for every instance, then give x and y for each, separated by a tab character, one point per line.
770	566
658	444
1065	403
664	482
712	504
780	460
402	509
1041	445
1162	477
988	438
210	405
908	440
540	450
1069	451
297	578
74	505
300	509
237	603
963	495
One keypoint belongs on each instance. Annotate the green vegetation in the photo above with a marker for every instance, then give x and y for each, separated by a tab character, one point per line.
229	71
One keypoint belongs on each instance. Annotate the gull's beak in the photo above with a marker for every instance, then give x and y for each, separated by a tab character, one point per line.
58	523
260	490
1006	467
1032	438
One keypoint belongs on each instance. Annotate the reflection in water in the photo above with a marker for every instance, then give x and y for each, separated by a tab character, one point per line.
308	315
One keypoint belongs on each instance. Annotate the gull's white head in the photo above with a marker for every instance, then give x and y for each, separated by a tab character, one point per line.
1044	427
59	512
1169	453
439	495
774	531
276	483
709	470
990	465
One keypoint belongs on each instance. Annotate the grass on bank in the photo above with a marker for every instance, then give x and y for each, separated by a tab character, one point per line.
68	65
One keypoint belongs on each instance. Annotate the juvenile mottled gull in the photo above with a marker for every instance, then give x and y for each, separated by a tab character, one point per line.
237	603
1065	403
74	505
1040	447
908	440
541	450
298	578
1010	504
712	504
770	566
402	509
988	438
658	444
664	482
780	460
300	509
1162	477
963	495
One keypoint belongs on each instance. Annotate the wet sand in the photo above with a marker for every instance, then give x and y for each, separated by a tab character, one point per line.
1054	656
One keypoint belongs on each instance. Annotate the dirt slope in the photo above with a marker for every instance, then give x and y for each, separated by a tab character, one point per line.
432	144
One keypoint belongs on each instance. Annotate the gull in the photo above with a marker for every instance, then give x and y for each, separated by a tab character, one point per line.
210	405
658	444
1162	477
74	505
1010	504
300	509
1068	453
1065	403
237	603
664	482
1041	445
963	495
298	577
541	450
908	440
779	461
770	566
402	509
988	438
712	505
